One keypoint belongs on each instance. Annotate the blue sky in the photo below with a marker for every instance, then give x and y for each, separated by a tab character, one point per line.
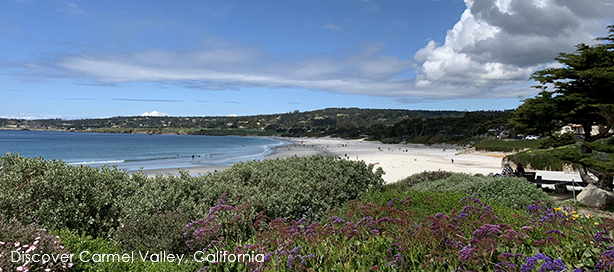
83	59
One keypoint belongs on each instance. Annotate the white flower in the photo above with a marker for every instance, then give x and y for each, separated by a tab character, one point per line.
30	249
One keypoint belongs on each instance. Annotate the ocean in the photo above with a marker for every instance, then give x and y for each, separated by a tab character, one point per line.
134	151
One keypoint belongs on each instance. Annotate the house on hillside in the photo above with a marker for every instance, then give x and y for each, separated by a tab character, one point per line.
577	129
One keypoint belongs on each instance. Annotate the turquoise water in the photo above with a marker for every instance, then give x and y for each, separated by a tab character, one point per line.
133	151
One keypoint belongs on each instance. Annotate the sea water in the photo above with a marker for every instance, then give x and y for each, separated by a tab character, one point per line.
135	151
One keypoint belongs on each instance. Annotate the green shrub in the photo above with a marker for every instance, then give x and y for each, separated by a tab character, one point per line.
56	195
513	192
435	139
427	203
292	187
506	146
414	179
95	201
540	159
28	240
557	140
158	232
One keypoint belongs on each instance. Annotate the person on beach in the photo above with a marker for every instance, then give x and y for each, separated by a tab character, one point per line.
507	170
519	170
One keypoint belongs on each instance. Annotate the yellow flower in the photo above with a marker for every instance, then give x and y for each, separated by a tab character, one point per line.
588	216
575	212
566	214
557	209
581	227
596	223
575	216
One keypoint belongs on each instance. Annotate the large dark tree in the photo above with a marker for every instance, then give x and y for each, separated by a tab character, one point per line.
583	93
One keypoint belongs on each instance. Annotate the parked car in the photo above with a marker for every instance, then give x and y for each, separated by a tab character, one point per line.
531	137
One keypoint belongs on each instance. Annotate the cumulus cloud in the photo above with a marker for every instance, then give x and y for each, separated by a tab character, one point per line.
153	113
496	45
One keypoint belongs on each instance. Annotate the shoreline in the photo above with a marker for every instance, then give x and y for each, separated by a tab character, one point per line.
397	160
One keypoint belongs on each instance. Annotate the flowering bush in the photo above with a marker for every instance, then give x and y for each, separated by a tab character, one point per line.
391	237
30	248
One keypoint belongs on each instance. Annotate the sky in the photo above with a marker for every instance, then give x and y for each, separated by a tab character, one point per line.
89	59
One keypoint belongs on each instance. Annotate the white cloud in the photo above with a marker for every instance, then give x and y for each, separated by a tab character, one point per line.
153	113
232	115
333	27
71	9
498	44
365	72
490	52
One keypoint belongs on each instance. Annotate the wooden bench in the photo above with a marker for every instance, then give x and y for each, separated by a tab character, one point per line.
530	176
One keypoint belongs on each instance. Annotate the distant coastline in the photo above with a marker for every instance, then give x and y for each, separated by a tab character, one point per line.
133	151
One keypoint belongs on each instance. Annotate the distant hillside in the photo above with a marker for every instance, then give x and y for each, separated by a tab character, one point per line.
325	118
377	124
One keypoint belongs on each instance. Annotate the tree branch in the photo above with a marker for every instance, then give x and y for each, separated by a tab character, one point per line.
584	175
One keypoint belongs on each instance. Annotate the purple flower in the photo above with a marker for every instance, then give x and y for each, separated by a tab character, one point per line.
467	253
368	221
220	207
398	261
557	232
336	220
385	219
606	261
391	202
600	237
548	265
461	215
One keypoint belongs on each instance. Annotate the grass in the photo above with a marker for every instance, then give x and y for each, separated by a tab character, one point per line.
506	146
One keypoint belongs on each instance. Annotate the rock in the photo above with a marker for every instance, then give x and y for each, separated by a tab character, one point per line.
592	196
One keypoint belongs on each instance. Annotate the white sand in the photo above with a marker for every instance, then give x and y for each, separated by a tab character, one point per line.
397	160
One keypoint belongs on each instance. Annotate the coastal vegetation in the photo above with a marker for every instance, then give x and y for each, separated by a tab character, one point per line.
581	95
298	214
507	146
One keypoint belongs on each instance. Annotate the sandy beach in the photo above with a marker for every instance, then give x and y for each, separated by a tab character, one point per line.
397	160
